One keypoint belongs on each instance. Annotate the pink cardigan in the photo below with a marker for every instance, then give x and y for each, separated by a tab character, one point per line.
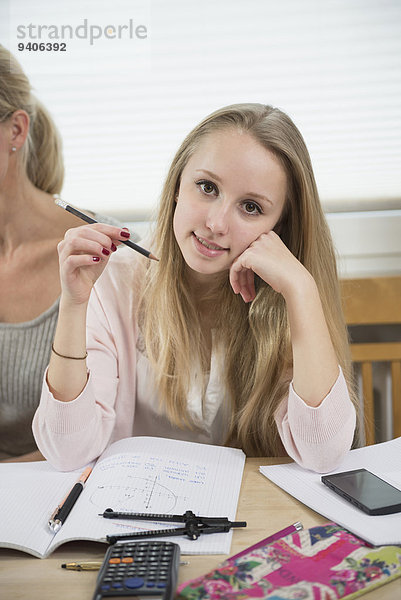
70	434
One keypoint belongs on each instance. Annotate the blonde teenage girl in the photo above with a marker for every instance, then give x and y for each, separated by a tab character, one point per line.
235	336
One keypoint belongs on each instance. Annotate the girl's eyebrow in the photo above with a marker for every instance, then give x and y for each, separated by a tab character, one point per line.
253	194
210	174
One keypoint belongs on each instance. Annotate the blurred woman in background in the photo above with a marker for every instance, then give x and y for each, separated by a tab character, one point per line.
31	172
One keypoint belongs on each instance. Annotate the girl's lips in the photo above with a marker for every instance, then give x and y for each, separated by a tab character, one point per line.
207	244
207	248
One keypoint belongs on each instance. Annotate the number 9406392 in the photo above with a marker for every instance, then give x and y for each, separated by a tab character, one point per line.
43	47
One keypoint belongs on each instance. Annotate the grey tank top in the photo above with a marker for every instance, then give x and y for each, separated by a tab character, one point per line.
25	352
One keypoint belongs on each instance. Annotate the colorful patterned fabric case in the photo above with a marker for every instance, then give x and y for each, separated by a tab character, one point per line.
321	563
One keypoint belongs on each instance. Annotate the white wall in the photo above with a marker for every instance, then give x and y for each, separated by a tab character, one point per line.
368	243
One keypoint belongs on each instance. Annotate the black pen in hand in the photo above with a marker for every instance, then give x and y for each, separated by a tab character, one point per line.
90	220
63	510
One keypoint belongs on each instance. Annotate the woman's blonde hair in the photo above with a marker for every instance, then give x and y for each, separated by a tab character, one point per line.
41	155
255	337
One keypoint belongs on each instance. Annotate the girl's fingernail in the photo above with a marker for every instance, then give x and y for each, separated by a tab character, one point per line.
113	247
95	258
105	251
125	234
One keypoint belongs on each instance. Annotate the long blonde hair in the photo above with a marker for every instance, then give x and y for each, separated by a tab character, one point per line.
255	337
41	155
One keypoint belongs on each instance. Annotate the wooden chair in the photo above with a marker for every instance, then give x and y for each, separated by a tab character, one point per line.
375	301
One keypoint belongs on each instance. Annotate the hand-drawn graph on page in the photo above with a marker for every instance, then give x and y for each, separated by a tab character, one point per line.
145	483
137	495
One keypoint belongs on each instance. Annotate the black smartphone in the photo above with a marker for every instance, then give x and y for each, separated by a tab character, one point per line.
365	491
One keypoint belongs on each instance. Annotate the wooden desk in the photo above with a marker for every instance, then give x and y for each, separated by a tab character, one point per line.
263	505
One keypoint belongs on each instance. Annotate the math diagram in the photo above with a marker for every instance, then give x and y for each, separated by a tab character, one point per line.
136	495
149	484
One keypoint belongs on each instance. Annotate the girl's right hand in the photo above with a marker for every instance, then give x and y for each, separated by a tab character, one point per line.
83	255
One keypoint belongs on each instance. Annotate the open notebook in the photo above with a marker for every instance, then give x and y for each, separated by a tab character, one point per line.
142	474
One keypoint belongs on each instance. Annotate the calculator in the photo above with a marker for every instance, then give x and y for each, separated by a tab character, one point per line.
147	570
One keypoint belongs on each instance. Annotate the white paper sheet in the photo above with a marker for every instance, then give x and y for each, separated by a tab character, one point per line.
383	460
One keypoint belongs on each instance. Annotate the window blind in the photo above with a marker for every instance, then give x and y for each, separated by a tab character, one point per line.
123	105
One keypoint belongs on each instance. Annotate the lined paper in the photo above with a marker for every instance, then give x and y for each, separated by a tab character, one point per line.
29	493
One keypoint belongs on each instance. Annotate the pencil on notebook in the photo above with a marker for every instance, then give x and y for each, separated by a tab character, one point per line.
84	217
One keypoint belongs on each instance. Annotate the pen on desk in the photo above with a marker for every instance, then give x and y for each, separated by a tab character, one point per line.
94	565
84	217
62	511
272	538
82	566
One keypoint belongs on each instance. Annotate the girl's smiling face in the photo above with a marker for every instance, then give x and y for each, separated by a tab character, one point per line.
231	191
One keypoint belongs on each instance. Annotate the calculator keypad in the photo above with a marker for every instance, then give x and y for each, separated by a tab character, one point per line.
139	569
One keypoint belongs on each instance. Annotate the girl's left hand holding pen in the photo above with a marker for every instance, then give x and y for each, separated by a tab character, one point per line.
273	262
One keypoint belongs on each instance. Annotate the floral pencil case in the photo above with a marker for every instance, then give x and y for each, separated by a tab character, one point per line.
322	563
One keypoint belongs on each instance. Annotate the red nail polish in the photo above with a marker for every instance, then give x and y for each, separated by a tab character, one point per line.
113	247
95	258
125	234
105	251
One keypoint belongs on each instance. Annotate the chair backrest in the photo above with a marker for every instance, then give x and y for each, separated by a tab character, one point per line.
372	302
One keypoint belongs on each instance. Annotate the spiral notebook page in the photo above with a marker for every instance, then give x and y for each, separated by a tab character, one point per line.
383	460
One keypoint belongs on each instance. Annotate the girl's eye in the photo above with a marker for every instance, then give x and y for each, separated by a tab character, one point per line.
251	208
207	187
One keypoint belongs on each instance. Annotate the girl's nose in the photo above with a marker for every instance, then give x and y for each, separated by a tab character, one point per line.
218	219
